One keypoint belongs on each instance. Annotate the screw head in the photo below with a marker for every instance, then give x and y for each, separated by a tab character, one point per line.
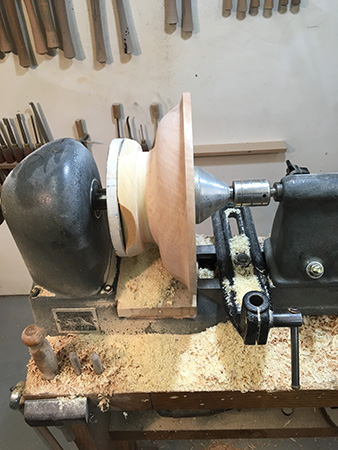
315	269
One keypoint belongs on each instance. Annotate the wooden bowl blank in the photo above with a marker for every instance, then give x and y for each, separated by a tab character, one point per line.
155	192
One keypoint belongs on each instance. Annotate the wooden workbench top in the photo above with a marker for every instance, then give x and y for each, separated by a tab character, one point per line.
211	369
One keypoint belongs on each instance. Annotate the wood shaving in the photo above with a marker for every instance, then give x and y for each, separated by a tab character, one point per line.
213	360
204	273
145	283
244	279
202	239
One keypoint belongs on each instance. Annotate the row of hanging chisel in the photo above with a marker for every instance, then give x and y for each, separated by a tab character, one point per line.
50	27
16	141
252	7
121	131
242	7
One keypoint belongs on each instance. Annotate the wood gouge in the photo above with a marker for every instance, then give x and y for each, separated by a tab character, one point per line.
117	113
52	38
66	37
129	133
144	144
241	9
18	153
37	141
171	9
100	50
268	7
27	143
187	21
39	39
227	7
6	151
124	28
15	25
40	125
254	6
83	135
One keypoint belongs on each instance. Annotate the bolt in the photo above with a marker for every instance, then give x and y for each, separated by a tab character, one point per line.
40	349
315	269
35	291
107	288
242	259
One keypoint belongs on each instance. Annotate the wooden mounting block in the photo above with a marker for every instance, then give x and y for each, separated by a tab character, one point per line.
155	195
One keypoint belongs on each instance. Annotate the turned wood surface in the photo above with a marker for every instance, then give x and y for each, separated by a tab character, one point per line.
170	194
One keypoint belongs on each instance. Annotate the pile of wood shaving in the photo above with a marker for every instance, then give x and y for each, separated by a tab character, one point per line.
244	279
215	359
145	283
203	239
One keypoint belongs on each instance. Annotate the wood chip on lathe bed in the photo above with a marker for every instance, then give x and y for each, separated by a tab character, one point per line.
213	360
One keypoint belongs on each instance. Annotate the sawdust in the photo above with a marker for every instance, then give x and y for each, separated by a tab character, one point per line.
244	279
213	360
205	273
202	239
43	292
145	283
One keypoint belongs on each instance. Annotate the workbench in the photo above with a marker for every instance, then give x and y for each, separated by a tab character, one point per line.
127	413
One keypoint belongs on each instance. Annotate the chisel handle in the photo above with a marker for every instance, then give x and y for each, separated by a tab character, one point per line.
100	50
5	44
241	9
39	40
187	22
171	9
254	6
14	23
282	6
67	43
124	28
47	20
268	6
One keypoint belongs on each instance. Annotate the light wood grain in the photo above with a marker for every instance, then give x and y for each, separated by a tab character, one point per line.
157	294
156	195
39	39
246	148
170	194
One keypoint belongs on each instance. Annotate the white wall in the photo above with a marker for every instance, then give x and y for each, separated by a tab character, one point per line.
255	80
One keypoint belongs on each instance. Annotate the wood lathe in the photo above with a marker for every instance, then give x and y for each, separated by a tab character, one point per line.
75	237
